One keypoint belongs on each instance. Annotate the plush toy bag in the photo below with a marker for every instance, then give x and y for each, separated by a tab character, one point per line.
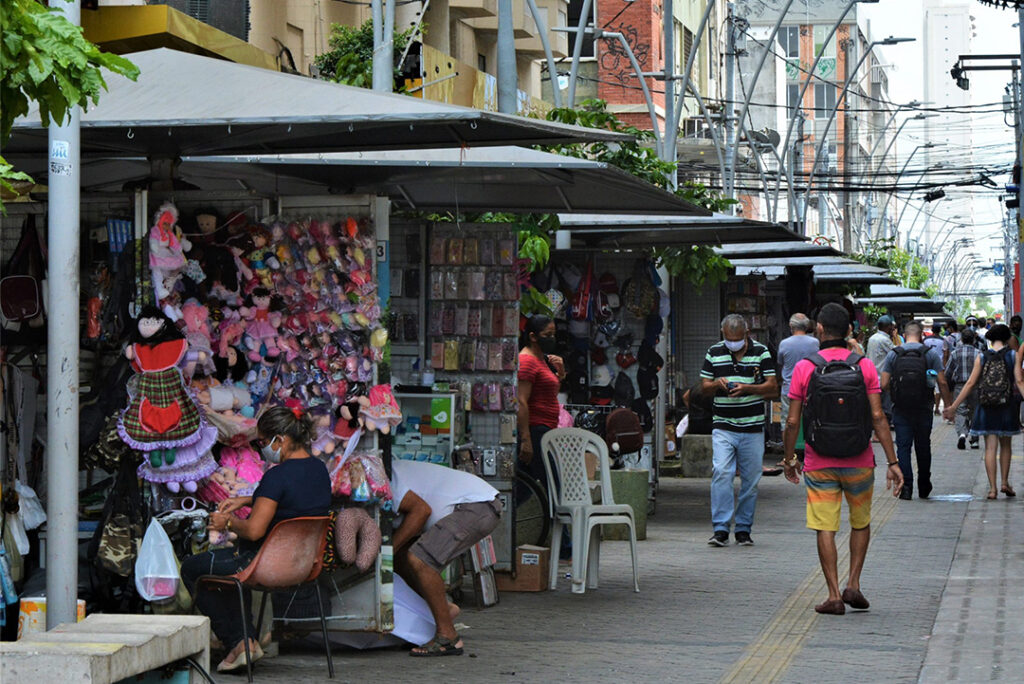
156	569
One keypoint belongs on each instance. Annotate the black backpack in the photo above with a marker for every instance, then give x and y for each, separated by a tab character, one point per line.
836	412
909	384
995	385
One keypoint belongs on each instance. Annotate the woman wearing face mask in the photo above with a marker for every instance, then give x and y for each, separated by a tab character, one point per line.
539	382
297	486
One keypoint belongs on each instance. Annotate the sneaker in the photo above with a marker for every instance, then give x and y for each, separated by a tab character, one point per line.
961	442
974	443
719	538
743	539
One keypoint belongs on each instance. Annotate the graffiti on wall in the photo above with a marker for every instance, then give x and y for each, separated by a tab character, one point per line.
615	62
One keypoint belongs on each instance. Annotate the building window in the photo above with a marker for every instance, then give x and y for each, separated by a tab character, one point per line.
481	63
824	100
198	9
792	97
820	32
789	41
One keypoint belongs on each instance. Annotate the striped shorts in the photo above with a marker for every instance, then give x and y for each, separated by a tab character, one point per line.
825	490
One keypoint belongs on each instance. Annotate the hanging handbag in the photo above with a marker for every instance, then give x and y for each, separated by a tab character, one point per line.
115	546
21	287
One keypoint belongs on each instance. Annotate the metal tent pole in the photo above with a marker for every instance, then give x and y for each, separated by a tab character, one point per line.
62	363
382	69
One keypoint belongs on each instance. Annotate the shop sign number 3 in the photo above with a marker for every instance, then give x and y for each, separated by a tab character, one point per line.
382	251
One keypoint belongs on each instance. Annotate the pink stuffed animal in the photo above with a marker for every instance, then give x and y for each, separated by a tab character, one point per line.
261	330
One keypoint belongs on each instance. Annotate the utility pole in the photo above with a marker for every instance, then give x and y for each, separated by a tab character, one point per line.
668	141
507	77
1019	98
62	363
822	196
383	19
798	167
730	105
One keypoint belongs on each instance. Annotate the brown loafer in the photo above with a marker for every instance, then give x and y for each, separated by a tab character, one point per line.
855	599
836	607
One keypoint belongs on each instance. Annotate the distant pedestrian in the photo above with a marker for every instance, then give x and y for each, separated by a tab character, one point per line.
740	374
979	332
1016	323
911	372
879	346
950	341
839	391
797	347
958	370
933	340
995	373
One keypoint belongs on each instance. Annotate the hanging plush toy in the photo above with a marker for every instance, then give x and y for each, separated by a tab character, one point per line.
261	331
262	258
166	252
197	333
162	420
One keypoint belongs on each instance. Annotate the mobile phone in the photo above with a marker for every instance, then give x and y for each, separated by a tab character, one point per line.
731	385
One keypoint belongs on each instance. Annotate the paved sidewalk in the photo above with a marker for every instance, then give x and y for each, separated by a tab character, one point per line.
977	635
738	613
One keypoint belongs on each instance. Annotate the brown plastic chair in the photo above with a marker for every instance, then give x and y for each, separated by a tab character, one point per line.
291	556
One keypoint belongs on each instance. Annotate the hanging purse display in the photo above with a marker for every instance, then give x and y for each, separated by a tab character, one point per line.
21	287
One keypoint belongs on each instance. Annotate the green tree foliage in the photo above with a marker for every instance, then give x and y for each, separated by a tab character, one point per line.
901	264
350	58
697	263
44	58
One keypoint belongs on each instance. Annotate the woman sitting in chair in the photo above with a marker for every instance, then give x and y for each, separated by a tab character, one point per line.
299	486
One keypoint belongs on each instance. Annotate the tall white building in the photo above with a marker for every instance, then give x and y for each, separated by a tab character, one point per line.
948	29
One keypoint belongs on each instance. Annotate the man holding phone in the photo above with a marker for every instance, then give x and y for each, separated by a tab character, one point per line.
740	373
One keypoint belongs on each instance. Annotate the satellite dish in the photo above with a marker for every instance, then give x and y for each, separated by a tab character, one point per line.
773	137
758	137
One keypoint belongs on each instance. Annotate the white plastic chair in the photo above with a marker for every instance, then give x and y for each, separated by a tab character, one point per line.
573	504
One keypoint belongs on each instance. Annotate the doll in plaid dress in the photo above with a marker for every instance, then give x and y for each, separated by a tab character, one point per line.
162	418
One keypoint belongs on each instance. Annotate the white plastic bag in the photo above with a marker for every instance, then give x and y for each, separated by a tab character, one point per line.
683	426
156	568
29	507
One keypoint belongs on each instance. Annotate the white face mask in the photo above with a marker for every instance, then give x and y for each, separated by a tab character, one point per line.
735	345
271	454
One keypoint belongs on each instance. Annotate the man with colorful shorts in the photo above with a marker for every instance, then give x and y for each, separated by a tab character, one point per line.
829	479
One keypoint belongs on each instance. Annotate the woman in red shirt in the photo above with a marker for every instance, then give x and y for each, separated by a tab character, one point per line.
540	374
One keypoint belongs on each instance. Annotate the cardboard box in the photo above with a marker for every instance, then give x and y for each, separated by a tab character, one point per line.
532	566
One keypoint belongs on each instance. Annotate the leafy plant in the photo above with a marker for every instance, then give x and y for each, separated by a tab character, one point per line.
350	58
44	58
699	264
901	264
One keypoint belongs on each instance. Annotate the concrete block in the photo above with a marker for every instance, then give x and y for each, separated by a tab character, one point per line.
104	649
695	455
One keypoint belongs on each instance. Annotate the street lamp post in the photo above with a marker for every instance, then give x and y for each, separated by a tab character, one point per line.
840	99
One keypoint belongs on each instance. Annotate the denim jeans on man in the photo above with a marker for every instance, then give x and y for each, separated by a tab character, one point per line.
914	429
735	453
216	602
965	411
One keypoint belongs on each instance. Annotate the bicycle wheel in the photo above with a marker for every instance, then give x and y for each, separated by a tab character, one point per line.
530	521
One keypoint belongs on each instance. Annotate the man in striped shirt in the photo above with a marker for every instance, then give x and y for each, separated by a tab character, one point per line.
740	374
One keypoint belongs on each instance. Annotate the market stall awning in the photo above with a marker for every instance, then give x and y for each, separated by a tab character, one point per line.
186	104
477	179
511	179
854	278
896	291
796	253
643	232
915	304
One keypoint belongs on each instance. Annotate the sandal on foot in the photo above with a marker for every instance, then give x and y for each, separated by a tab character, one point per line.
992	496
1008	490
855	599
836	607
239	662
438	646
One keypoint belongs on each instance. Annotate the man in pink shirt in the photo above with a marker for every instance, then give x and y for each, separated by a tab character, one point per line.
831	476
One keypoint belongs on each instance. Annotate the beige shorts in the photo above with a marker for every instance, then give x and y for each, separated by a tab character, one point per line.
453	534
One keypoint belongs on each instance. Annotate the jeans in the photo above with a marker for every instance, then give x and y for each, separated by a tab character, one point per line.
914	428
887	407
965	411
735	453
784	401
218	603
